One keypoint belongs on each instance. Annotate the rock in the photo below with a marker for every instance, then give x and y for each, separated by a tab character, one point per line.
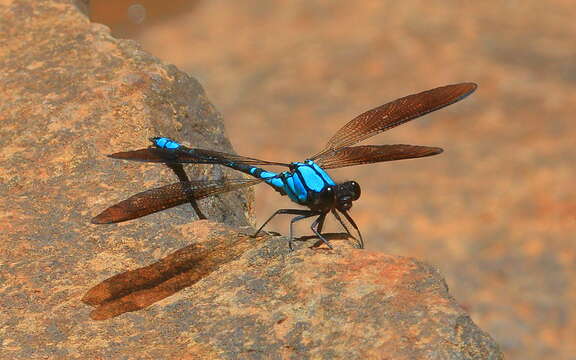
346	303
315	303
71	95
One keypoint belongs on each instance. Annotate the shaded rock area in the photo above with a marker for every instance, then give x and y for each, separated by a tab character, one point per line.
72	94
136	289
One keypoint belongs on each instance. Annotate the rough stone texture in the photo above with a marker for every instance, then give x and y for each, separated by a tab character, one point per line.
312	303
71	94
346	303
496	211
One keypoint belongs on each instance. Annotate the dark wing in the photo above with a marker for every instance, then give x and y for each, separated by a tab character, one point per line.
368	154
188	156
168	196
395	113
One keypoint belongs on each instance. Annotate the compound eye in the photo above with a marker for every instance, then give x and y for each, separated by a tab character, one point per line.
355	190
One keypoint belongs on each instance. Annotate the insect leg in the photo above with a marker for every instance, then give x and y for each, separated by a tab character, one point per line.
298	218
321	219
317	224
343	224
360	240
281	212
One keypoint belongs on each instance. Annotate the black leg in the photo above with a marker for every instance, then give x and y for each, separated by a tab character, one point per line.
321	219
282	212
343	224
360	241
298	218
178	169
317	224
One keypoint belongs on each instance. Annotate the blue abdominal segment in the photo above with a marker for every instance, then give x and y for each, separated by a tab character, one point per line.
165	143
271	178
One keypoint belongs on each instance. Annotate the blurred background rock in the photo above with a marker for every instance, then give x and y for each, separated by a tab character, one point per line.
496	212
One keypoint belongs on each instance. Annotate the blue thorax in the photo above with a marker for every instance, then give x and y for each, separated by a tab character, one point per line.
304	179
